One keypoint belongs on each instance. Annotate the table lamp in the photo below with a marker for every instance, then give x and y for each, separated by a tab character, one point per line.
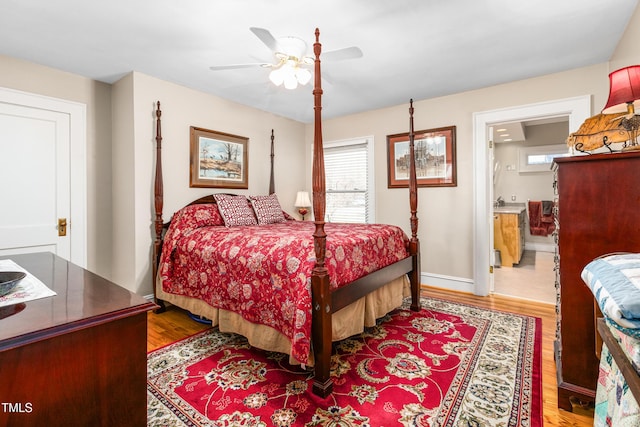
624	94
303	203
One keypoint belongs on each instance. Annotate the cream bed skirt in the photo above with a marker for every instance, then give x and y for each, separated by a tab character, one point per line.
350	320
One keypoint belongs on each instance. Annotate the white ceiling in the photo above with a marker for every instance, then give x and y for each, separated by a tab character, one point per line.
412	48
518	131
509	132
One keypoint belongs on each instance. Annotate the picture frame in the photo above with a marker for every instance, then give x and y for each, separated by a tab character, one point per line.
435	153
218	159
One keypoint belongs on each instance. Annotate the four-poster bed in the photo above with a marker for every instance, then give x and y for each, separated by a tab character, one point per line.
359	273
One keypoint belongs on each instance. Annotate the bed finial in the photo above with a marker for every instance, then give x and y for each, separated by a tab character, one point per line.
414	243
318	172
272	185
321	310
413	190
158	203
158	187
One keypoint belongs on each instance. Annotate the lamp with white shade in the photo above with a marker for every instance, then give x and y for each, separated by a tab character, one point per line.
303	203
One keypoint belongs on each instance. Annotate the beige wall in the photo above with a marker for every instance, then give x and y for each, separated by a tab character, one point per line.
120	210
123	194
181	108
446	214
29	77
627	52
120	215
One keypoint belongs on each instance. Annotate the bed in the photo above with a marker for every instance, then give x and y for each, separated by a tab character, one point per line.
288	286
614	280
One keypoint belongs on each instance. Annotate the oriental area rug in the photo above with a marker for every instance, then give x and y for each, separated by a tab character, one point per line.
448	365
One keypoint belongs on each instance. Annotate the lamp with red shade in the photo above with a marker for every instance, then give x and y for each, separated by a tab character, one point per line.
624	96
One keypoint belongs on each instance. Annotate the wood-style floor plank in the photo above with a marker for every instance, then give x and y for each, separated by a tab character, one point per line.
174	325
170	326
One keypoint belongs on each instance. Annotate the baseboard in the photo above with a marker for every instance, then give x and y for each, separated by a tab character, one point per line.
448	282
540	247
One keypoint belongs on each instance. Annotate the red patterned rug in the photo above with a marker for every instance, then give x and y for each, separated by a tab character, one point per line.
448	365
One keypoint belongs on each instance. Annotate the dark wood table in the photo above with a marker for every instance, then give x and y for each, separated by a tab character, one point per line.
77	358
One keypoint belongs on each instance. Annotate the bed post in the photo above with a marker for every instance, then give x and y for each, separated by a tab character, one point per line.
158	204
321	294
272	185
414	243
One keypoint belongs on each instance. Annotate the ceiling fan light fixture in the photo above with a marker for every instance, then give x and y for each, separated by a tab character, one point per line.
290	80
291	67
303	75
276	76
290	74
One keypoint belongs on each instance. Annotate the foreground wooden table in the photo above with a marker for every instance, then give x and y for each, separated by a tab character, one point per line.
77	358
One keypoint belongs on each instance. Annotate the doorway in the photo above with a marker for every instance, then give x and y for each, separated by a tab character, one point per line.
577	109
522	182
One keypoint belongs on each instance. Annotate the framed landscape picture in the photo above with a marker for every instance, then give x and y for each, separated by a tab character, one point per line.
218	160
435	153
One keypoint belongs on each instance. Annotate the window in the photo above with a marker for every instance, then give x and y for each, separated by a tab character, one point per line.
349	177
539	158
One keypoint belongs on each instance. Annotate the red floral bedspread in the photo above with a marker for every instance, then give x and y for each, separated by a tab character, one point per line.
263	272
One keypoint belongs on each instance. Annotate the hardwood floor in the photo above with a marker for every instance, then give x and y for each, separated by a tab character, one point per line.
170	326
174	324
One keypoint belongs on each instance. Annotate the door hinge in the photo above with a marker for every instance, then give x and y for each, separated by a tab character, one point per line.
490	144
491	269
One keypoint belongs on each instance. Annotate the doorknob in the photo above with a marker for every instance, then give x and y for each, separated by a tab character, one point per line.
62	226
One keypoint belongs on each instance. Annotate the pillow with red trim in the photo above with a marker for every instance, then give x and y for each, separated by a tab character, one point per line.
235	210
267	209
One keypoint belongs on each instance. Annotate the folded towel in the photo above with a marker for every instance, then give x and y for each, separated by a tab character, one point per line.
540	224
535	212
547	211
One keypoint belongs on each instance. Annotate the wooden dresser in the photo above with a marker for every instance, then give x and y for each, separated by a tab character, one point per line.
598	199
76	358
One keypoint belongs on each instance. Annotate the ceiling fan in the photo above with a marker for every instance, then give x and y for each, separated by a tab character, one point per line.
291	65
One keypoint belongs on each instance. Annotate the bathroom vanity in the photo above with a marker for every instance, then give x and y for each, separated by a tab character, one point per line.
508	232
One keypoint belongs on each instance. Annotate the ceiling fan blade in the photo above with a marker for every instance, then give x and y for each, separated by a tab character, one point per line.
237	66
266	37
342	54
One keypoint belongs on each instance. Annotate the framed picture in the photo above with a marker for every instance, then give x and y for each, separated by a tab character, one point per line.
435	152
218	160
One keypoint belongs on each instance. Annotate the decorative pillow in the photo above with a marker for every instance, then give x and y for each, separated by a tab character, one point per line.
203	214
267	209
235	210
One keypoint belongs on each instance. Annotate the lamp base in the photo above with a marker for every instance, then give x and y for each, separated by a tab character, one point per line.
303	212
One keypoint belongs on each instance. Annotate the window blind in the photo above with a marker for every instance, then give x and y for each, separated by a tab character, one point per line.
347	192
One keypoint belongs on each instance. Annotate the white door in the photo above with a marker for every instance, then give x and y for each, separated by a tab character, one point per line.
492	168
35	178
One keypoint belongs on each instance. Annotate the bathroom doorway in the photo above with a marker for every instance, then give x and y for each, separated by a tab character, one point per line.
522	184
578	109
